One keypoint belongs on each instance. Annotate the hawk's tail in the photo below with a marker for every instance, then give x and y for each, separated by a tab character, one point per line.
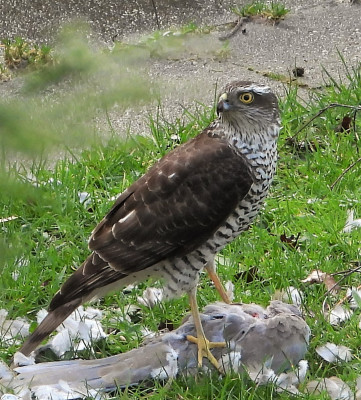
48	325
92	279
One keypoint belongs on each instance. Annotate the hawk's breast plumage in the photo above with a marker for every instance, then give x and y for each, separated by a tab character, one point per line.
173	220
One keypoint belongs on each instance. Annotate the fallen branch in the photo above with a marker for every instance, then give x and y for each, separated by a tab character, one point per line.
239	23
332	105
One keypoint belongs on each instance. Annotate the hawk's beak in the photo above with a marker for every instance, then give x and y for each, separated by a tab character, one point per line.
223	104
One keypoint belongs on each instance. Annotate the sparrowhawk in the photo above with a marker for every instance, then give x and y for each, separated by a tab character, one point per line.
172	221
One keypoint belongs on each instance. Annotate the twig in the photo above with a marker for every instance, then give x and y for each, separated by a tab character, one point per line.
239	23
347	271
344	173
346	274
332	105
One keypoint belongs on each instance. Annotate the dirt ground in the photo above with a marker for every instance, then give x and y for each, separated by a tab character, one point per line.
310	37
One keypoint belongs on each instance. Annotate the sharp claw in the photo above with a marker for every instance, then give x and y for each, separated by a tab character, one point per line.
204	346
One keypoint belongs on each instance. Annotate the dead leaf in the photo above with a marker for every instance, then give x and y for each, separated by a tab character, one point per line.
318	276
331	284
292	240
345	125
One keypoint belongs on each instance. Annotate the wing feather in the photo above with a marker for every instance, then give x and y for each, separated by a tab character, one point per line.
179	203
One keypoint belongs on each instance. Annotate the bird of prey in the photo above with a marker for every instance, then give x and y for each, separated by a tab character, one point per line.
172	221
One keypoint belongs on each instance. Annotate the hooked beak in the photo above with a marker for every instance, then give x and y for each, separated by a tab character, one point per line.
223	104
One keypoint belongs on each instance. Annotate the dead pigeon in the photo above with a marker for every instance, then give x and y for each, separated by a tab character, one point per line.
277	335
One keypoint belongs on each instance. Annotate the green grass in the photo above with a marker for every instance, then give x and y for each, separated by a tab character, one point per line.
49	237
274	10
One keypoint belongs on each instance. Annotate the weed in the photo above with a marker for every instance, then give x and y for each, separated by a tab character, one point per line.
20	53
273	11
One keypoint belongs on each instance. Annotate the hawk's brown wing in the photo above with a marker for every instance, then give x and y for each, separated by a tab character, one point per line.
175	207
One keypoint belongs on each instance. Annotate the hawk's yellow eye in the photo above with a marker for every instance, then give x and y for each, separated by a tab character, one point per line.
246	98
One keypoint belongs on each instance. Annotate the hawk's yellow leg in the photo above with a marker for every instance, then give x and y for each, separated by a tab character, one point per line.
210	267
204	345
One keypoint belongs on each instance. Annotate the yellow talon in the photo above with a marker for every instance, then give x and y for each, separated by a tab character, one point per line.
204	349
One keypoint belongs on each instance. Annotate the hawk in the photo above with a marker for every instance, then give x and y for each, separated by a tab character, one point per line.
172	221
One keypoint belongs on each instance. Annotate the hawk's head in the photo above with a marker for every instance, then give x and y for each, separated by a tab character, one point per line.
246	105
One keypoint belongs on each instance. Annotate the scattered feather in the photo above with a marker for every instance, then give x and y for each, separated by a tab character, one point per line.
150	297
358	383
289	294
231	362
294	377
127	314
131	309
84	198
335	387
62	391
351	223
147	333
261	374
77	332
21	360
338	314
61	342
220	259
8	396
313	200
333	353
12	331
20	263
229	288
358	388
354	296
7	219
129	288
5	372
167	371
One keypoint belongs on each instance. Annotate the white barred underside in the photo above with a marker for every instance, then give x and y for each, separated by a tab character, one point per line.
182	274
